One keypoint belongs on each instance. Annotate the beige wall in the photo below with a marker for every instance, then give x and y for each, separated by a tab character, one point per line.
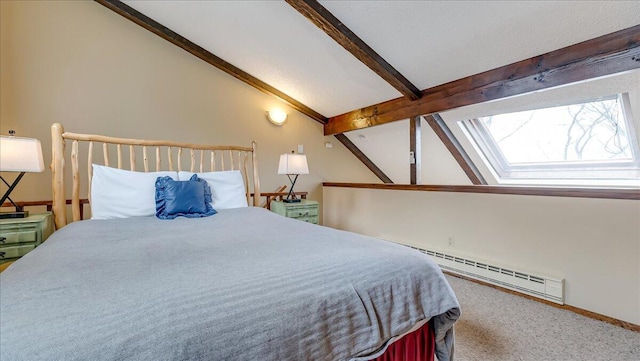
80	64
594	244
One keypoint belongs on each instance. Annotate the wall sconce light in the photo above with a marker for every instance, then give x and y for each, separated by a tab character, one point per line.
277	116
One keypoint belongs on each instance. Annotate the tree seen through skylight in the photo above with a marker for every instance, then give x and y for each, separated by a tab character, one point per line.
587	132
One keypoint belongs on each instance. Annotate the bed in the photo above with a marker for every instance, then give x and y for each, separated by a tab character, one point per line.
243	284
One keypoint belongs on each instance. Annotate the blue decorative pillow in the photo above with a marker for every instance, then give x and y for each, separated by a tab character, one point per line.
190	198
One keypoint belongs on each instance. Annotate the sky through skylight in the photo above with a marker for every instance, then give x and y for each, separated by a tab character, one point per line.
588	132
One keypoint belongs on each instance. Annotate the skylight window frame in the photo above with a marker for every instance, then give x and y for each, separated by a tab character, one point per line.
612	173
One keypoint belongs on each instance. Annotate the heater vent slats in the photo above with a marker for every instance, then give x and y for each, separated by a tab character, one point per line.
506	272
546	288
536	279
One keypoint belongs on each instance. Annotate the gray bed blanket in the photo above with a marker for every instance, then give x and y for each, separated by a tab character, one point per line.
245	284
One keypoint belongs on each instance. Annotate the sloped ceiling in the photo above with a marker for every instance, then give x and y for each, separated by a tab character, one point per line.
435	42
429	42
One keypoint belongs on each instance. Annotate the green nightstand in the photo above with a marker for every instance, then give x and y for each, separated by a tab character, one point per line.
305	210
18	236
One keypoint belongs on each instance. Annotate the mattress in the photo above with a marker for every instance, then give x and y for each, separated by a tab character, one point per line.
244	284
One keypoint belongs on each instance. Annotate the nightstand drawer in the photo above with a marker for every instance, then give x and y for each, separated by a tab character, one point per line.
297	212
313	220
18	237
305	210
15	252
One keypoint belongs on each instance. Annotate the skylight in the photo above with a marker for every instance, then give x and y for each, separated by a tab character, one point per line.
586	143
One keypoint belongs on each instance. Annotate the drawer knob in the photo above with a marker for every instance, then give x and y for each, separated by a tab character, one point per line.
2	239
2	254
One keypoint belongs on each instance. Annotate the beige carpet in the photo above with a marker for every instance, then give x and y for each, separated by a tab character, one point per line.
497	326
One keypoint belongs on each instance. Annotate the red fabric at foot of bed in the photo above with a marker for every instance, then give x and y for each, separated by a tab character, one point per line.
416	346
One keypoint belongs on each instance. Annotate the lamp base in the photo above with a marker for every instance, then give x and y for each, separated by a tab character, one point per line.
296	200
6	215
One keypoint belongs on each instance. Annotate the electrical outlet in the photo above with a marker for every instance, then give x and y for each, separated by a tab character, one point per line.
451	242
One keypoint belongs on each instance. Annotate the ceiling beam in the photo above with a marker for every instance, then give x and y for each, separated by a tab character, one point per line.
609	54
415	150
455	148
339	32
605	193
363	158
153	26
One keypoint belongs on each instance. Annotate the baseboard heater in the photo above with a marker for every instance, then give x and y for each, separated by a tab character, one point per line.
538	286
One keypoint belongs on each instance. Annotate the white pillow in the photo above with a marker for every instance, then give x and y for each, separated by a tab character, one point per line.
118	193
227	188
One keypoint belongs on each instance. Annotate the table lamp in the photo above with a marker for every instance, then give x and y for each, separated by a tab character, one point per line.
293	165
18	155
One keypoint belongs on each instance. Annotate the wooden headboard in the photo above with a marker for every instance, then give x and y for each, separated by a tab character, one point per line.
201	158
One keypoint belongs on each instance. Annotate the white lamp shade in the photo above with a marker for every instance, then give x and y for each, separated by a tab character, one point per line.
291	163
20	155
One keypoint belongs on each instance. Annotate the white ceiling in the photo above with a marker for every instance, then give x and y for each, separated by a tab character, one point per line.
429	42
